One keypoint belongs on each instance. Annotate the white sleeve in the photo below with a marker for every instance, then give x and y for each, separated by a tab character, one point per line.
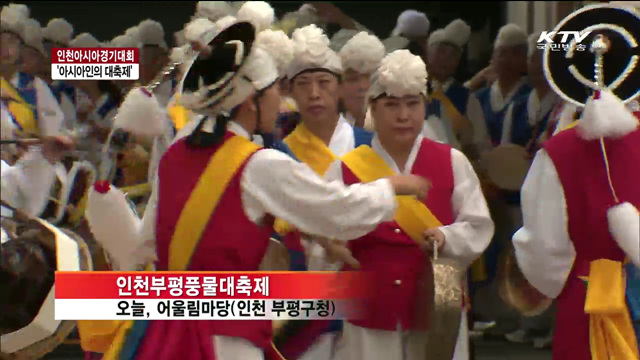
50	116
507	125
69	112
334	172
480	132
9	185
273	183
472	229
543	248
147	253
35	177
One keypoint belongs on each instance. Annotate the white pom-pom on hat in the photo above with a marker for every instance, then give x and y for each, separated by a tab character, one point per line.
134	32
59	31
510	35
311	51
605	115
340	38
279	46
124	41
213	10
32	35
85	40
413	24
141	114
151	33
362	53
11	20
259	13
22	9
624	225
225	22
457	33
198	30
400	74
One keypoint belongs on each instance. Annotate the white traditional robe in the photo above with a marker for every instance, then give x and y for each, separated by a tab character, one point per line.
466	239
50	115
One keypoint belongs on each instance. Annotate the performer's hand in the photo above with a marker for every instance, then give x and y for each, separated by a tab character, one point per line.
433	236
410	185
338	251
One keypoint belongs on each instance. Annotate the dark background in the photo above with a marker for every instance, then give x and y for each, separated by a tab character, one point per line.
107	19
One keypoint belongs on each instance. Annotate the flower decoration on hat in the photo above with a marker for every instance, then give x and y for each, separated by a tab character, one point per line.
400	74
510	35
457	33
59	31
311	51
279	46
362	53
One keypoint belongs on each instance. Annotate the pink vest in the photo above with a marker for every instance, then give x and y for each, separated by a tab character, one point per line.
583	176
392	256
231	242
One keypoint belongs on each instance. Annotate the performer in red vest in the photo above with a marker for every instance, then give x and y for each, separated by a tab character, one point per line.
581	239
454	215
243	187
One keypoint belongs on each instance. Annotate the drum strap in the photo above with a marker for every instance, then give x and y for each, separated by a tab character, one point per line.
413	216
458	121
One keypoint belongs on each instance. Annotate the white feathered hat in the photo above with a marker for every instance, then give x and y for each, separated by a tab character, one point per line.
124	41
510	35
456	33
362	53
85	40
279	46
213	10
32	35
59	31
311	51
134	32
12	19
259	13
234	71
400	74
141	114
151	33
413	24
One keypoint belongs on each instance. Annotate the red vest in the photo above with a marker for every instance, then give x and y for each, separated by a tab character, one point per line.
231	242
392	256
583	176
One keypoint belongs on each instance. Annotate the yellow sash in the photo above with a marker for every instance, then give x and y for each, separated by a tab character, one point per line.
109	336
22	112
611	334
413	216
312	151
458	121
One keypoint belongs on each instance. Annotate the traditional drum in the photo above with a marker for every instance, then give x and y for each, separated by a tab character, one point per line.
31	253
507	166
516	291
70	210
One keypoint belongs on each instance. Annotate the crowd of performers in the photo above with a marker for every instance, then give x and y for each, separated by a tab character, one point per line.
350	153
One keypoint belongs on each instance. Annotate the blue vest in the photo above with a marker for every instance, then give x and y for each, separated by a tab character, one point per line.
521	131
27	90
495	120
106	107
459	96
633	297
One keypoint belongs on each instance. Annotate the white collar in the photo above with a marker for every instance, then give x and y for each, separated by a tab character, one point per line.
495	95
445	85
537	108
342	140
377	147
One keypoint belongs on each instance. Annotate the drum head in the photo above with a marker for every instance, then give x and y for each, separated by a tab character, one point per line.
28	342
516	291
507	166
